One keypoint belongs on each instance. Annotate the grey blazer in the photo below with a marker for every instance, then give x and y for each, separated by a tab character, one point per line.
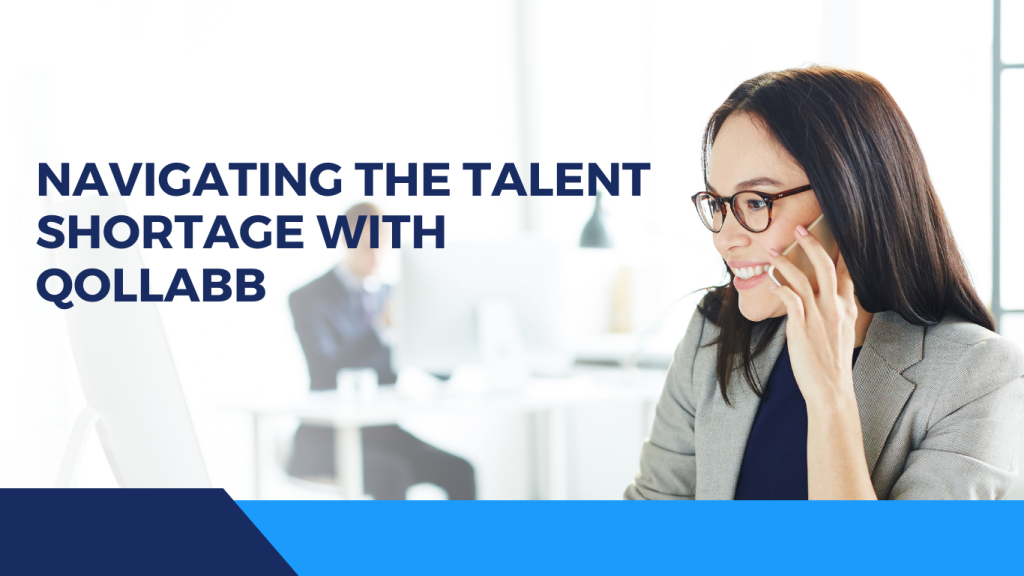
940	408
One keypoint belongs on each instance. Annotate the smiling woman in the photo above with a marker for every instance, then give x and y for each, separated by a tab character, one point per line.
882	378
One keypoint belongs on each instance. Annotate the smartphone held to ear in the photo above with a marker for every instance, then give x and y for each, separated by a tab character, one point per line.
796	254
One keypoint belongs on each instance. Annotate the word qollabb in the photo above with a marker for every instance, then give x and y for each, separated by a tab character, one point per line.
216	286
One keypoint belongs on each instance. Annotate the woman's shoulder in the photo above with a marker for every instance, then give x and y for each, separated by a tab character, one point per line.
960	355
697	332
956	329
703	327
700	333
958	336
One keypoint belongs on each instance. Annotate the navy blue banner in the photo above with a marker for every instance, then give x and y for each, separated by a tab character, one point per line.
130	531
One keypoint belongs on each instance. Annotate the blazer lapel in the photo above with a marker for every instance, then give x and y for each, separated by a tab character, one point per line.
891	346
728	427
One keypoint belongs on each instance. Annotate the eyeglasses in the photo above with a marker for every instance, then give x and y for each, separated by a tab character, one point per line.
753	210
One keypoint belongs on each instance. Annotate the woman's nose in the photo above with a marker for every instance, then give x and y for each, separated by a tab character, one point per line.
732	235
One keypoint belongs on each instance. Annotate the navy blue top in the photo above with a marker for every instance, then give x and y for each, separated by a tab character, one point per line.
775	461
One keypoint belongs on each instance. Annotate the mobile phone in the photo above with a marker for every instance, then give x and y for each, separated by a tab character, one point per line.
820	230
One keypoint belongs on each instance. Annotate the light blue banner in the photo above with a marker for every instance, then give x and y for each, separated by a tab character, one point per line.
333	537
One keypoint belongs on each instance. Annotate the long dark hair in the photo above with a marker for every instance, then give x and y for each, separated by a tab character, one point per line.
869	176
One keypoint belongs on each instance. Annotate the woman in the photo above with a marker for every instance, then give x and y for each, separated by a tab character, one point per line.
888	381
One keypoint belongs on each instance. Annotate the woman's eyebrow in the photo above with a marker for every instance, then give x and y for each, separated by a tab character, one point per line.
748	184
759	181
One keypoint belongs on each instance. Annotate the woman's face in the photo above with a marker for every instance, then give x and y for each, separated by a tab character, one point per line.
745	156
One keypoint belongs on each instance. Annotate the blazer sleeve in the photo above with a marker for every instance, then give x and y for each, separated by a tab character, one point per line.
970	448
667	460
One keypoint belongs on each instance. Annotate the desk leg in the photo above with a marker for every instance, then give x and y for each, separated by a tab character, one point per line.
256	447
558	455
348	461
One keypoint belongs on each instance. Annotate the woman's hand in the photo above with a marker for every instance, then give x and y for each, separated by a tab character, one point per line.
820	333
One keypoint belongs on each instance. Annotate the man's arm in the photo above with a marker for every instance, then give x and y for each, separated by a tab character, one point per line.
317	342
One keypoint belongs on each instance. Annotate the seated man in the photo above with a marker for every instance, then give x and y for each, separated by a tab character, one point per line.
339	317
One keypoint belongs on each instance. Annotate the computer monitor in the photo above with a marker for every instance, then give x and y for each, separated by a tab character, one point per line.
448	296
126	370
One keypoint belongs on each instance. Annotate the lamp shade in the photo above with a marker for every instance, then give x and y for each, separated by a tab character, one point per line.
595	234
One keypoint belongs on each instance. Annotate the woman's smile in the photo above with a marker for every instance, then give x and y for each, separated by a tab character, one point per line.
748	273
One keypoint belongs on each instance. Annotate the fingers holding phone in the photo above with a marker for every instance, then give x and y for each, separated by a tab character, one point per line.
804	270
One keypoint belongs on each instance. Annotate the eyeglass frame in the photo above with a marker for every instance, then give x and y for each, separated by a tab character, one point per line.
723	201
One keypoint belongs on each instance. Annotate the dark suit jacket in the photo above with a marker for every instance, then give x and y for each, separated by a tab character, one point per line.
335	332
331	320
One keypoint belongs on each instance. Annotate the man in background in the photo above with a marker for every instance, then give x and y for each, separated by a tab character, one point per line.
339	318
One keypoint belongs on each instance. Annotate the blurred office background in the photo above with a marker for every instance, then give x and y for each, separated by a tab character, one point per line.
523	81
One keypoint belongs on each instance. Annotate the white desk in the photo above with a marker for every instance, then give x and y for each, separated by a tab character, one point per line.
548	397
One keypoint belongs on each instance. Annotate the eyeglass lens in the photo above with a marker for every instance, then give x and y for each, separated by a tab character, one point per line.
749	208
